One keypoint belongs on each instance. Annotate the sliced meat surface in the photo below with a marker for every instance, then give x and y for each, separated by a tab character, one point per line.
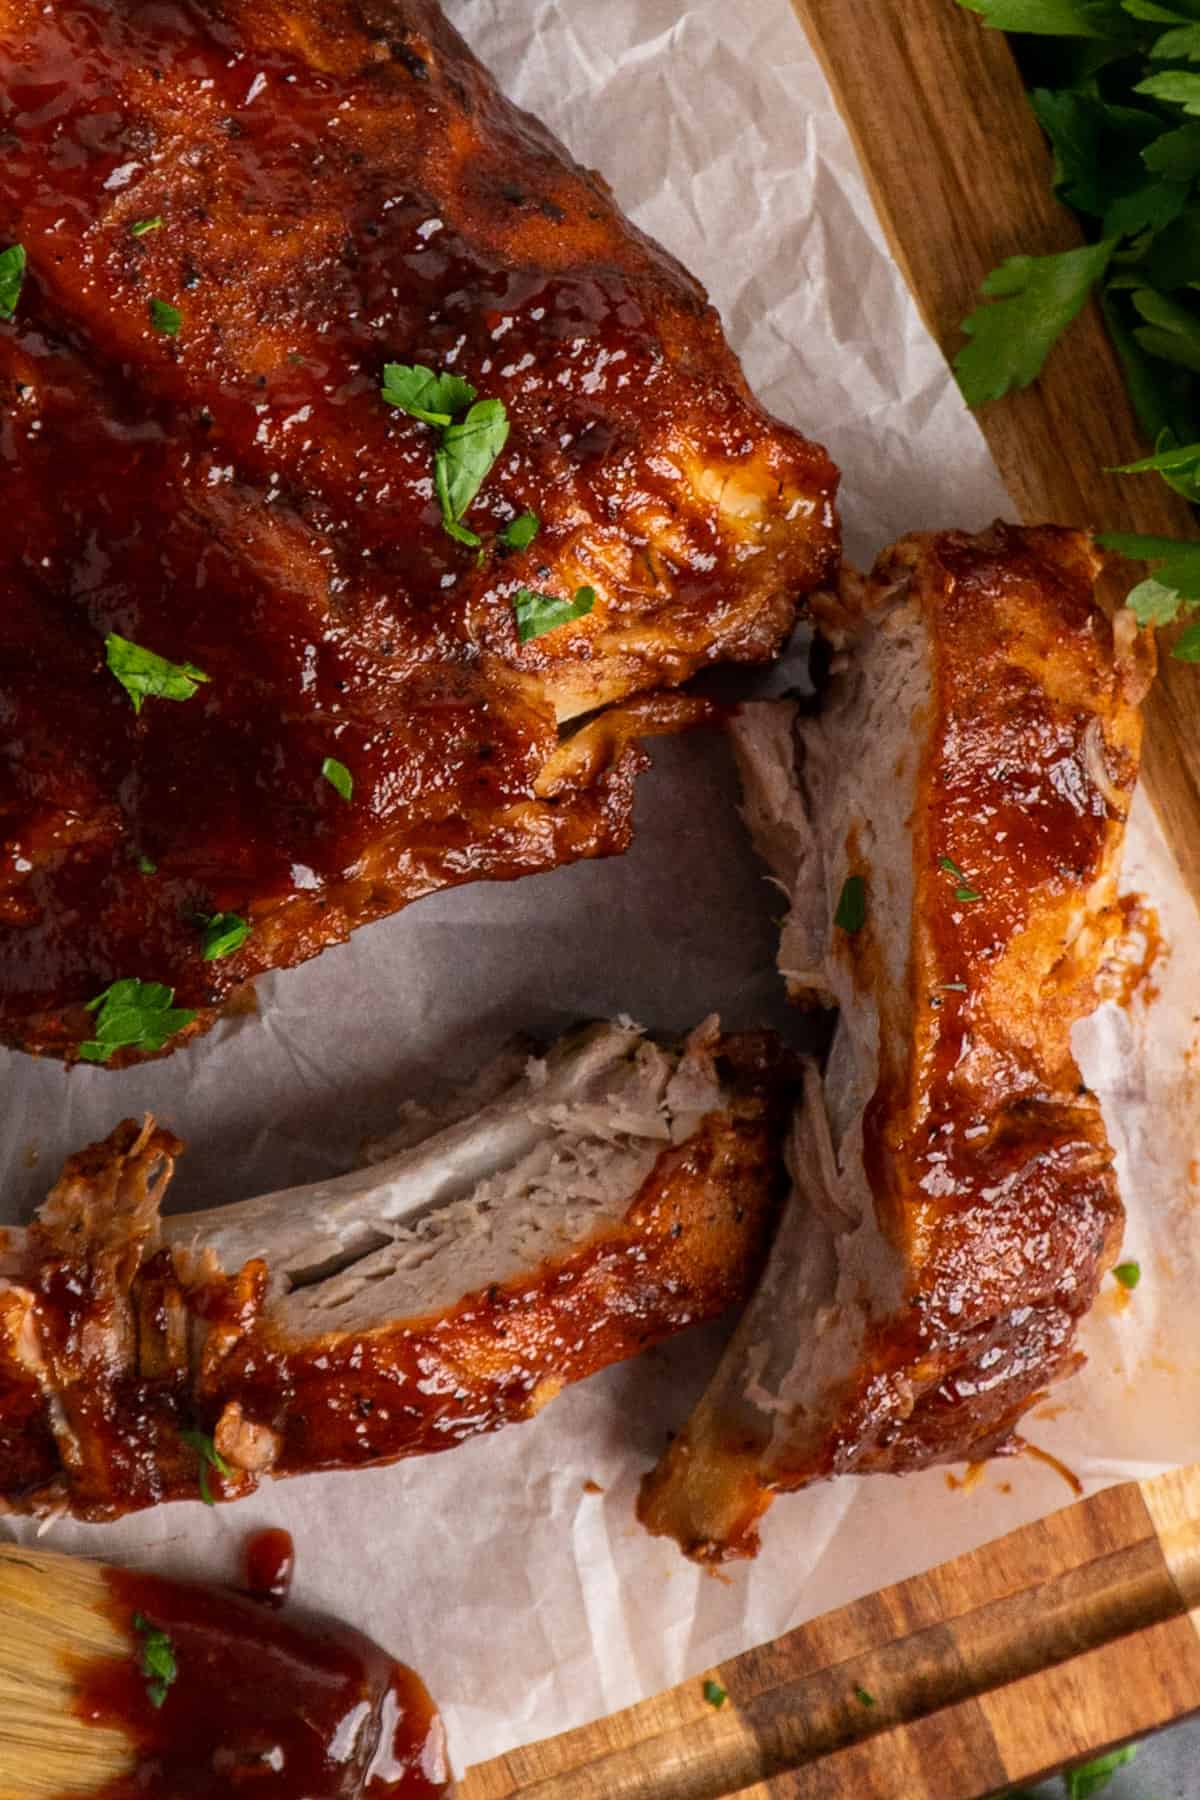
235	216
565	1213
949	832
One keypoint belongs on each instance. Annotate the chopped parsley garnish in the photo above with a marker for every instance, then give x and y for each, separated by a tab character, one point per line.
223	934
338	776
851	914
463	461
468	446
155	1659
165	318
715	1694
962	891
210	1458
539	613
519	533
418	391
864	1697
146	676
133	1015
1128	1274
143	227
146	865
1090	1778
12	278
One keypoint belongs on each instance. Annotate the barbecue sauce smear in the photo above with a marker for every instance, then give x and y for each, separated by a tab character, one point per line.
302	1708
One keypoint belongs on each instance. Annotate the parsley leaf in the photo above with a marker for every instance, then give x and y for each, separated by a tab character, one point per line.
464	460
851	914
519	533
1176	154
146	676
1034	299
1128	1274
12	277
156	1659
165	318
1173	590
133	1015
143	227
1171	331
146	865
1089	1778
539	613
223	934
715	1694
1180	86
962	891
1178	464
210	1457
421	393
1151	603
863	1697
338	776
1050	18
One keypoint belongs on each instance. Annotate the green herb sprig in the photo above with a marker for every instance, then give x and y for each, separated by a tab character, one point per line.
222	934
209	1457
155	1659
536	613
144	675
468	446
12	278
963	891
165	318
1115	85
715	1694
338	776
851	914
133	1015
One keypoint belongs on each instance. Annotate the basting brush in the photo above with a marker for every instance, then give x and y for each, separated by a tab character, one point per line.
117	1683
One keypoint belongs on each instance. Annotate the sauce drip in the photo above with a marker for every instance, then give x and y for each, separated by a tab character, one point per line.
270	1564
303	1708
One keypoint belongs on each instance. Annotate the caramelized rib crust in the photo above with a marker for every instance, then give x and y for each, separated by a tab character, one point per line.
340	184
953	1178
113	1341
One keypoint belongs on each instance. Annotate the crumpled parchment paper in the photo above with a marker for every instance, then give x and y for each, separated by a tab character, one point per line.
529	1603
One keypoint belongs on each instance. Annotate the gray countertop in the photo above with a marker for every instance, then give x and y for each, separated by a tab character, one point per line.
1167	1767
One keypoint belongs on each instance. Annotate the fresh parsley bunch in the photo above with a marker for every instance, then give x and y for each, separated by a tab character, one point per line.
1116	86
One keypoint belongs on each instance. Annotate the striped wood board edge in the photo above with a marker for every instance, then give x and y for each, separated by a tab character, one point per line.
1061	1640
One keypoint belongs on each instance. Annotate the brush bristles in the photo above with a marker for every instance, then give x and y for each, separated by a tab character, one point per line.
52	1620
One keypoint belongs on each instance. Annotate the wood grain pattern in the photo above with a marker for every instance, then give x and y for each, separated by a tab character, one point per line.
960	175
1062	1639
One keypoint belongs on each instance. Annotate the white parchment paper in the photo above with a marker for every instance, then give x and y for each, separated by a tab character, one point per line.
529	1603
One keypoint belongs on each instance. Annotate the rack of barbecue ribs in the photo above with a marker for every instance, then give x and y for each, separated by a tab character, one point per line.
354	448
949	831
565	1212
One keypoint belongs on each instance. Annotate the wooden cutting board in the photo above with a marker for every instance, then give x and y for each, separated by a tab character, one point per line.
1074	1634
1054	1643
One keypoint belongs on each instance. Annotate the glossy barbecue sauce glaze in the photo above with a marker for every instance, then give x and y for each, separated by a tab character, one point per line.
285	1709
338	187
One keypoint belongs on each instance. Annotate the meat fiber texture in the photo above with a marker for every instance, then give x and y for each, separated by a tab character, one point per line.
530	1602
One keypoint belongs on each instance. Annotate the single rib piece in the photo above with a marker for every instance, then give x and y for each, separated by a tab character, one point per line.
954	1206
313	191
563	1214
